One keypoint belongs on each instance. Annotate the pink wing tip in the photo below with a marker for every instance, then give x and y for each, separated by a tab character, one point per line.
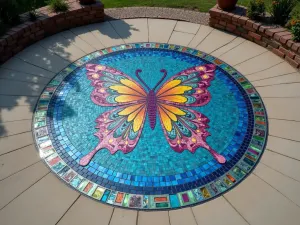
221	159
84	160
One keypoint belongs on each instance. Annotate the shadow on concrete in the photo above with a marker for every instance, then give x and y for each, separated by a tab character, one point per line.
23	78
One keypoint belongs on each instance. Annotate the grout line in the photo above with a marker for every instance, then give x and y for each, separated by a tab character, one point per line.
15	149
236	210
249	74
204	38
46	77
98	39
223	45
282	154
284	119
250	58
272	77
148	29
76	35
172	31
116	31
113	211
28	82
20	170
25	190
33	64
15	120
283	97
68	209
280	172
233	48
169	217
194	36
137	217
54	53
284	138
275	189
194	216
270	85
15	134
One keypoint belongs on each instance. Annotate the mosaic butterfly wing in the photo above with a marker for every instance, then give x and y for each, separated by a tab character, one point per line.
184	128
120	128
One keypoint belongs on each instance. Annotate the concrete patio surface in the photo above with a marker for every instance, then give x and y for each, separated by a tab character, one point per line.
31	195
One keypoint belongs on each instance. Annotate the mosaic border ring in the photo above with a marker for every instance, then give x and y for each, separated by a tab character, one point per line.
170	192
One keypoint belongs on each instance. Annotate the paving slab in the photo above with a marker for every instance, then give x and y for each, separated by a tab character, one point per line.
277	70
15	127
41	57
285	147
284	79
16	64
180	38
182	217
87	36
231	45
288	187
44	203
160	30
14	185
187	27
76	40
243	52
21	76
214	213
106	34
285	129
283	108
13	87
215	40
7	101
202	33
280	91
62	47
259	203
150	218
14	142
132	30
86	211
261	62
285	165
17	160
123	217
15	113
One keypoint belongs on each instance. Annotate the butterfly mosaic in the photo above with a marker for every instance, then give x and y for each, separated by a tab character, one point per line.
121	128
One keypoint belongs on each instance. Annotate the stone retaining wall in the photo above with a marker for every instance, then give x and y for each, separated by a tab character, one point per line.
48	23
276	39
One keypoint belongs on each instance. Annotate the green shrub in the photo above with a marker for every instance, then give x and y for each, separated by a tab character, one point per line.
281	10
58	5
296	13
256	9
296	29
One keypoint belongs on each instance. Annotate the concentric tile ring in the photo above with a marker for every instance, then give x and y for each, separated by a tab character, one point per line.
173	188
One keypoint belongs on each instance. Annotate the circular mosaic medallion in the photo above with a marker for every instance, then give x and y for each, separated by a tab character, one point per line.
150	126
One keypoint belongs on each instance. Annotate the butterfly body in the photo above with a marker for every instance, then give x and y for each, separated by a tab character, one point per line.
120	128
152	108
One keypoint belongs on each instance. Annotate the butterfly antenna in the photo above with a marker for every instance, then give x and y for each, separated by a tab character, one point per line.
138	76
161	79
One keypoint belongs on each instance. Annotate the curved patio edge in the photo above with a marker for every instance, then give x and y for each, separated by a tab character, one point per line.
275	38
48	23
